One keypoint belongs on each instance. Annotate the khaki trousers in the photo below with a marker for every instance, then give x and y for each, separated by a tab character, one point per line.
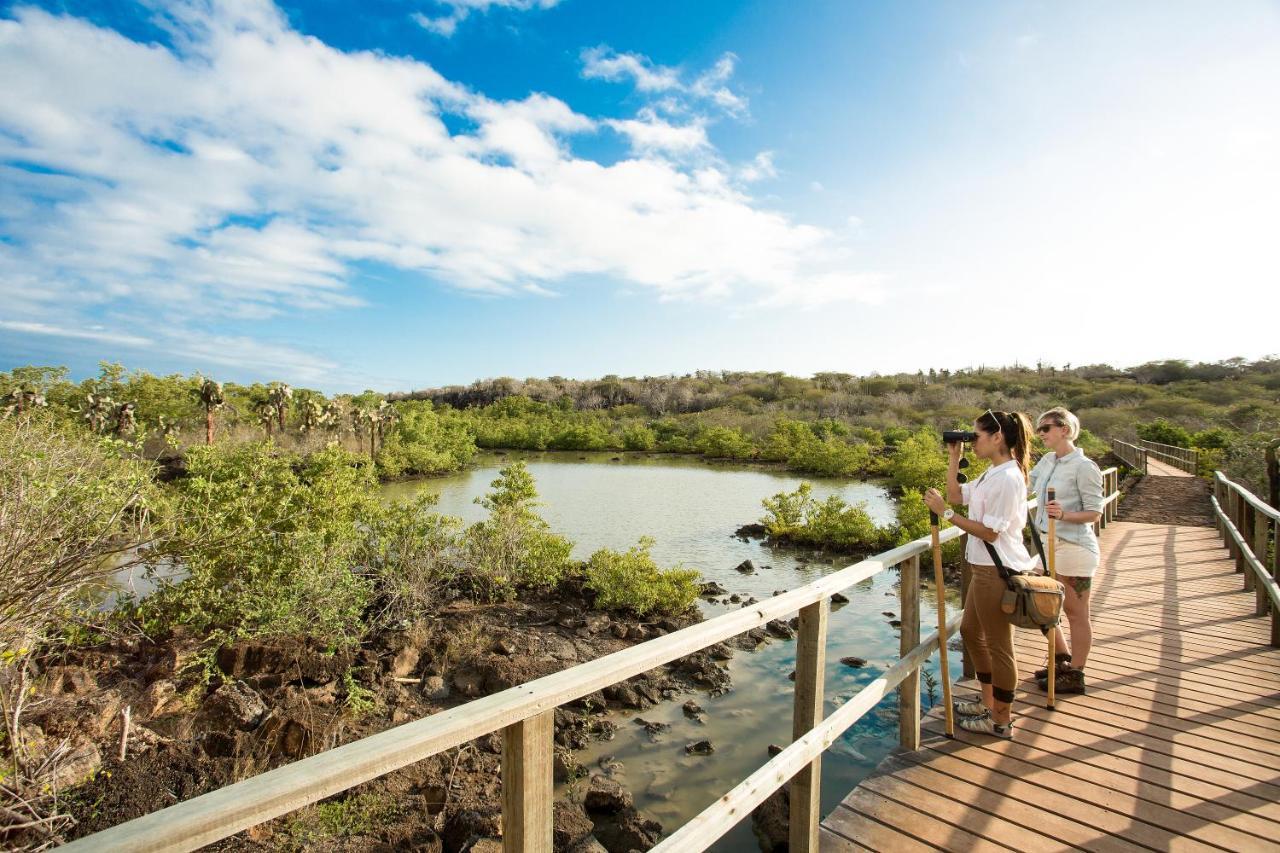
987	634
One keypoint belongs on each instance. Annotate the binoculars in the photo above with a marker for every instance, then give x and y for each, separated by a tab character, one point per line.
960	436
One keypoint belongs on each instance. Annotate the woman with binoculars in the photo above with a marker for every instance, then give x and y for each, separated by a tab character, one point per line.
1077	485
997	512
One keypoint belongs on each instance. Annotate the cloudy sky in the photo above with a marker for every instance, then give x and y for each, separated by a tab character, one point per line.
404	193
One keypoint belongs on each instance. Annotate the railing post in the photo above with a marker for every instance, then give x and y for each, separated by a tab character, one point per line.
909	638
527	784
1261	525
1246	534
1275	573
1233	513
811	667
966	576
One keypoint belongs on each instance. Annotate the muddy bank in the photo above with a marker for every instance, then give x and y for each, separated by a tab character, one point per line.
202	719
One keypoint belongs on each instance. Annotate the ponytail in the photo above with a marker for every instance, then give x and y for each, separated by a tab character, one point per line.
1016	429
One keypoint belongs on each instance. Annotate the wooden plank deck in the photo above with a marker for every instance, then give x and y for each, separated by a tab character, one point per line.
1163	469
1176	746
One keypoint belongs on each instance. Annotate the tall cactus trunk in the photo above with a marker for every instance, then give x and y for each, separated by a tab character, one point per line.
208	426
281	410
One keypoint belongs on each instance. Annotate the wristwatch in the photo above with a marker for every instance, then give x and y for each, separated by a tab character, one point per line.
948	513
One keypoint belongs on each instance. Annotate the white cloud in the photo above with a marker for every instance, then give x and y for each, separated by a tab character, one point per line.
603	63
245	172
99	334
708	88
759	168
457	11
650	134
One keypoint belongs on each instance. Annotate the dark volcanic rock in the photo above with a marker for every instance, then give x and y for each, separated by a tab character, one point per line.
771	821
752	531
712	588
232	706
606	796
781	630
746	567
855	662
837	598
288	659
569	825
702	747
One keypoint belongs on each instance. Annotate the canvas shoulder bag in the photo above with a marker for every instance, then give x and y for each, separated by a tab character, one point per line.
1030	601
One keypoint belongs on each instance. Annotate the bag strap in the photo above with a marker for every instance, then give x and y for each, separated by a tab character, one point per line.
1004	573
1035	540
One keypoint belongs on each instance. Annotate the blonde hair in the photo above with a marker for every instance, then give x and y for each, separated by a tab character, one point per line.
1063	417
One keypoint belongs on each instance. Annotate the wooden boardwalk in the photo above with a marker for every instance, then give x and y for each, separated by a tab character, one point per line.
1176	746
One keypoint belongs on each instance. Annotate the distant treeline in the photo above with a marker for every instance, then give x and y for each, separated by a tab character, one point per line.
829	423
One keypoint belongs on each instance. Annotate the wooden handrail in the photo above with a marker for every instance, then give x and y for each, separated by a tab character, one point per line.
1241	517
1249	497
722	815
1182	458
523	714
1130	454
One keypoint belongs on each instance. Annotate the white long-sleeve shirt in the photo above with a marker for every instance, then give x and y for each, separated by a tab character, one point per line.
999	502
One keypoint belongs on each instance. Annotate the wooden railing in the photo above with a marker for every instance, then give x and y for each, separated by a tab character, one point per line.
1249	528
524	715
1130	454
1182	458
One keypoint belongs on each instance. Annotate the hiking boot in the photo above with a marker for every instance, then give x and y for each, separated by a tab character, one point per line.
969	707
1068	681
984	725
1063	663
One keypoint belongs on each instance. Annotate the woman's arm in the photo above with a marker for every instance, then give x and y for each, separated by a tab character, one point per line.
933	500
955	494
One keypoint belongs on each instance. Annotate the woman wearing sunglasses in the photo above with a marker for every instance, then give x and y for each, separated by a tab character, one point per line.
1077	485
997	512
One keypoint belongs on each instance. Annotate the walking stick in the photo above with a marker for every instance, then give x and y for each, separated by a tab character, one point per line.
940	582
1053	632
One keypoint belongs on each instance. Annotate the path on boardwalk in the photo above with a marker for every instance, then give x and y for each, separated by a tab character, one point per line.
1176	746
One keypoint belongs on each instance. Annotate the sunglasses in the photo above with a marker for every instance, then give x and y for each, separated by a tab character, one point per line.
1043	428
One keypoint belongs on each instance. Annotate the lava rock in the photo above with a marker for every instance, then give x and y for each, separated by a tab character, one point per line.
747	567
701	747
234	705
855	662
606	796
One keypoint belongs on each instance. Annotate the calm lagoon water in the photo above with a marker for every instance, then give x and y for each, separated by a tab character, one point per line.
691	509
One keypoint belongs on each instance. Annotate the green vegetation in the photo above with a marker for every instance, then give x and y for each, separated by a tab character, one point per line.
333	820
632	581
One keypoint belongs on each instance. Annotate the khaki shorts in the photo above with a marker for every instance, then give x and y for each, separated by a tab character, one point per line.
1073	561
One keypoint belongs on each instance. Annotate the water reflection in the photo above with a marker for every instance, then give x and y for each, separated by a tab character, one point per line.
691	509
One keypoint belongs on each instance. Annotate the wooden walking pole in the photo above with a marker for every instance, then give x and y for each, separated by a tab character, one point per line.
1050	556
941	592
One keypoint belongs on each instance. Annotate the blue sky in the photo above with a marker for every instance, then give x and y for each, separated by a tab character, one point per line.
408	193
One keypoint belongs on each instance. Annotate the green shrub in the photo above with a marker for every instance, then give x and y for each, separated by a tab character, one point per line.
832	523
639	437
422	442
1160	430
632	581
513	547
73	507
271	544
1216	438
412	555
724	443
831	457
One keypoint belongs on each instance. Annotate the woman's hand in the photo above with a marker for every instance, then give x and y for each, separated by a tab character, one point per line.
933	500
1054	509
956	450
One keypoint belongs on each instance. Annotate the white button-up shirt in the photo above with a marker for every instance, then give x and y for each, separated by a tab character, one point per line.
999	502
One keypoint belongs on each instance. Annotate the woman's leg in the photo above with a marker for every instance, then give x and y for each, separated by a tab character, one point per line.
1077	606
988	590
974	641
